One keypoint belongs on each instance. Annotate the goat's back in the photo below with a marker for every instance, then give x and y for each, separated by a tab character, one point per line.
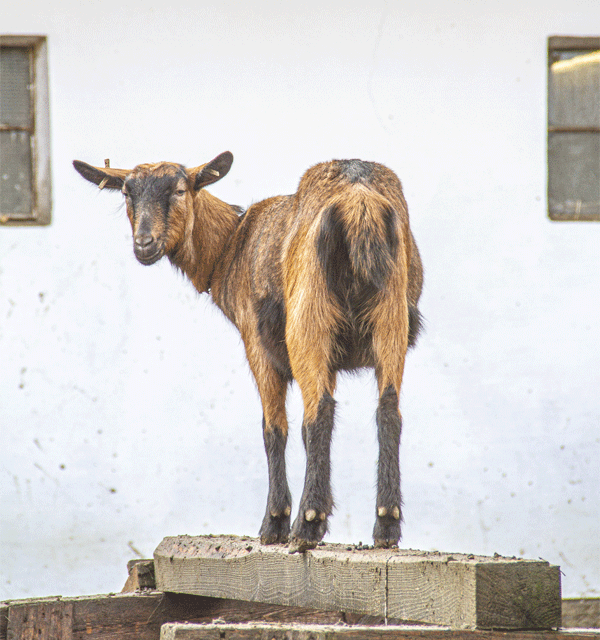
343	237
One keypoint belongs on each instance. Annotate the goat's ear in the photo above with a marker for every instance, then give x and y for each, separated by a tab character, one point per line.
212	171
104	178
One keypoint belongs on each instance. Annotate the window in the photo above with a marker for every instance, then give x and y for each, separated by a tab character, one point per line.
574	128
25	195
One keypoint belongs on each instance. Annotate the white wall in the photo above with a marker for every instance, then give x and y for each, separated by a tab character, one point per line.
127	410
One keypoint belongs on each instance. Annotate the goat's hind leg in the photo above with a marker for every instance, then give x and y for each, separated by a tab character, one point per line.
316	503
390	341
389	501
309	355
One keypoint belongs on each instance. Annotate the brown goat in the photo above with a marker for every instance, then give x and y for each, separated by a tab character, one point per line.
324	280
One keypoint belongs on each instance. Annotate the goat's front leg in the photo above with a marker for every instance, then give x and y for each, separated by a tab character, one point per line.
276	523
272	387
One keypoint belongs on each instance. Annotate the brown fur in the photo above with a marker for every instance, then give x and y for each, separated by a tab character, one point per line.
324	280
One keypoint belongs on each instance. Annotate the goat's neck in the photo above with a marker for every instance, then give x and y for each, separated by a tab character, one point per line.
204	239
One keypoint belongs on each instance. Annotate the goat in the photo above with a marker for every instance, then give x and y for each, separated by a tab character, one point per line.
324	280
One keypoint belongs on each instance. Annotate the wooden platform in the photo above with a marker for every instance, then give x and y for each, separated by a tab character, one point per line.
450	590
147	615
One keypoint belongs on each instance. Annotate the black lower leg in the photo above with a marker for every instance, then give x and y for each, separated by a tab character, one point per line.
316	504
389	502
276	523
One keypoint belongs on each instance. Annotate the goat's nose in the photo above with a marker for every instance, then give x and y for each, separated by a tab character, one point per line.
143	240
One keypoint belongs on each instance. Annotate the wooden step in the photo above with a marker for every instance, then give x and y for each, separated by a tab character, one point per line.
266	631
451	590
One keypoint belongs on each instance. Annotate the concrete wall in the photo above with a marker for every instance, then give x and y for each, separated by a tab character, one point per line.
126	407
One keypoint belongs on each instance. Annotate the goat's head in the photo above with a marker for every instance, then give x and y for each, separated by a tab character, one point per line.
159	199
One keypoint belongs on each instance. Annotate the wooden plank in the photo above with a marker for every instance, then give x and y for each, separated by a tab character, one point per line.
522	596
117	617
141	576
475	592
44	621
258	631
434	588
182	607
243	569
581	613
261	631
107	617
577	43
4	608
140	615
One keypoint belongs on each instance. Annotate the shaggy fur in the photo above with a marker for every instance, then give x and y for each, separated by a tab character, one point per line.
324	280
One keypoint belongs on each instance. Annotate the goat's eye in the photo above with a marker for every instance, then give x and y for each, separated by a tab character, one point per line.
180	192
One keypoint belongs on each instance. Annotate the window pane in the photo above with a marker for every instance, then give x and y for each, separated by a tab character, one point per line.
574	89
574	173
15	174
15	99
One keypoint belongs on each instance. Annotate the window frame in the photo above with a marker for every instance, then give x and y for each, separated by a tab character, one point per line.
41	183
557	45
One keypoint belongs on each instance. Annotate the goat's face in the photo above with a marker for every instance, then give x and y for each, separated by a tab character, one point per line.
159	201
159	198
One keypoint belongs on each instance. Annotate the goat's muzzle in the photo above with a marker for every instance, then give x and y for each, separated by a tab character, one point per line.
147	249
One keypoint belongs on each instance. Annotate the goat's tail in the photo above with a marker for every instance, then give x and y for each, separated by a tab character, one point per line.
359	232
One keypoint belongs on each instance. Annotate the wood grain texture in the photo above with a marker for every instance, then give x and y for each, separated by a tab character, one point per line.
141	576
432	588
51	620
243	569
581	613
524	596
4	609
139	616
122	617
475	592
261	631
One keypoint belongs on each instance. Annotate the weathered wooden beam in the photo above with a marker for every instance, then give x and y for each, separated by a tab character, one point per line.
141	576
581	613
104	617
3	620
243	569
47	620
441	589
262	631
139	616
474	592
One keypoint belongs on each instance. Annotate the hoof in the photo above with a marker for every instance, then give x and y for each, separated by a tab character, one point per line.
386	532
275	528
385	544
308	530
298	545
